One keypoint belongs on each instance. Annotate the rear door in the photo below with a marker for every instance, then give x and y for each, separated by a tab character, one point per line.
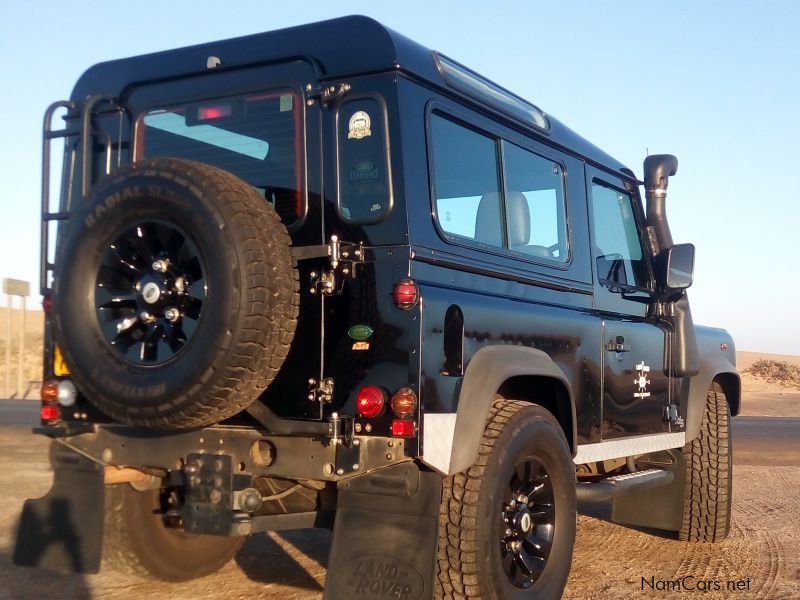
256	124
635	380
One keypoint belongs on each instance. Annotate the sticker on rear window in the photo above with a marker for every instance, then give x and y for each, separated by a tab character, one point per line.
359	126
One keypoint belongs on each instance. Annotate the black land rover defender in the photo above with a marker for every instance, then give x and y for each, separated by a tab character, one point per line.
326	277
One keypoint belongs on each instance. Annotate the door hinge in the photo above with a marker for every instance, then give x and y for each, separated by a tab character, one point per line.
320	391
617	345
344	256
328	94
671	415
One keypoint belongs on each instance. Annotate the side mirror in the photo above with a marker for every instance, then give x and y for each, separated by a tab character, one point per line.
679	268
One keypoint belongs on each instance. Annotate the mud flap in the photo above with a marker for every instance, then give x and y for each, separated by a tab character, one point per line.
63	531
385	536
656	508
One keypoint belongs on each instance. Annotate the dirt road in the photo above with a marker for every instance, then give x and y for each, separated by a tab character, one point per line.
759	560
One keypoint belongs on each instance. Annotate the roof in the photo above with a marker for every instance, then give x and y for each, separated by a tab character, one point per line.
338	48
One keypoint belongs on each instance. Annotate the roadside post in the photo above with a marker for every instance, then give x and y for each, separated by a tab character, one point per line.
15	287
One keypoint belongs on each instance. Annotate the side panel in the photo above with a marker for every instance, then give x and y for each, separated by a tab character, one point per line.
501	299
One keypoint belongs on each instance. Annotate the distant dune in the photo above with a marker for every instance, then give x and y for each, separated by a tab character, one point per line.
744	358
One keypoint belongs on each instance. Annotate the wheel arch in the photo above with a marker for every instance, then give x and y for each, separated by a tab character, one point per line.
515	372
713	368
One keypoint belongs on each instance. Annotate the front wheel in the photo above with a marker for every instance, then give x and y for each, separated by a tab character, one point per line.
709	474
507	524
137	541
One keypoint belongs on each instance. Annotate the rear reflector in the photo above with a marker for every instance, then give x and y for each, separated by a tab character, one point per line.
370	401
401	428
49	413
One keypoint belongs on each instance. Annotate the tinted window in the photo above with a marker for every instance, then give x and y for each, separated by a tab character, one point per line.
467	182
535	204
618	250
364	178
254	137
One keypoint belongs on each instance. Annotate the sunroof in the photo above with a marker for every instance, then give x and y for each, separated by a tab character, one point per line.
469	82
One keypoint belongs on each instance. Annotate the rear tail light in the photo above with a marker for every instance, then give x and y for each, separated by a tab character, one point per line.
50	391
369	401
48	303
406	294
404	403
403	428
49	412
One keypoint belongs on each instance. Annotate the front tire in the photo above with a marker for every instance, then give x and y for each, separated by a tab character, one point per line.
136	541
495	543
709	474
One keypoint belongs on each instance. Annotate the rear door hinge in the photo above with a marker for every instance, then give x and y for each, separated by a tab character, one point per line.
320	391
327	94
344	256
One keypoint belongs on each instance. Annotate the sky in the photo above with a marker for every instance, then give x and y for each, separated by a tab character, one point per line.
715	83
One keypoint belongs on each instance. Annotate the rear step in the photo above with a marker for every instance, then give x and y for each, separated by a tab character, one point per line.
618	485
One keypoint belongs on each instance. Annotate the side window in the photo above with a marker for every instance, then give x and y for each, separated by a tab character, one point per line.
364	179
466	182
617	248
535	207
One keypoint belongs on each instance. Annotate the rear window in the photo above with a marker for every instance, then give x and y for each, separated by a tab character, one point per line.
256	137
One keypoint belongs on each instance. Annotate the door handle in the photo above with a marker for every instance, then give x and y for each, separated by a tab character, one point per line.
617	345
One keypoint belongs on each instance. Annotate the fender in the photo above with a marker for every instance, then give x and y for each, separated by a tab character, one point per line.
486	372
711	367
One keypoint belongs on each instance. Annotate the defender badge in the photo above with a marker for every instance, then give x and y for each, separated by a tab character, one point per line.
642	381
359	126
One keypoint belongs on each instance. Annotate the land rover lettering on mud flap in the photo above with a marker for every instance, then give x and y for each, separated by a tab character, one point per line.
300	281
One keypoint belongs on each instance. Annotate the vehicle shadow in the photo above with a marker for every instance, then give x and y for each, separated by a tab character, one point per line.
26	582
602	511
293	558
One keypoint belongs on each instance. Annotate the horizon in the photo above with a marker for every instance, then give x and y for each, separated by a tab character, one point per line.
714	87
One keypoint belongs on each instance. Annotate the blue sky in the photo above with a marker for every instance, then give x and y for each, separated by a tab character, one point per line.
715	83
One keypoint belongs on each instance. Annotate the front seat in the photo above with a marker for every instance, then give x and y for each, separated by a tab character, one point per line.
488	228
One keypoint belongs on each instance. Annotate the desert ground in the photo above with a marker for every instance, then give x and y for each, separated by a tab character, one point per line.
758	560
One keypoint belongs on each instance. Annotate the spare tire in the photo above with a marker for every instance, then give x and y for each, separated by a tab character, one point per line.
175	296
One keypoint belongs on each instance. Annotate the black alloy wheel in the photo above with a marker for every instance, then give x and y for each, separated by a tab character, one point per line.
528	523
150	292
176	295
507	523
